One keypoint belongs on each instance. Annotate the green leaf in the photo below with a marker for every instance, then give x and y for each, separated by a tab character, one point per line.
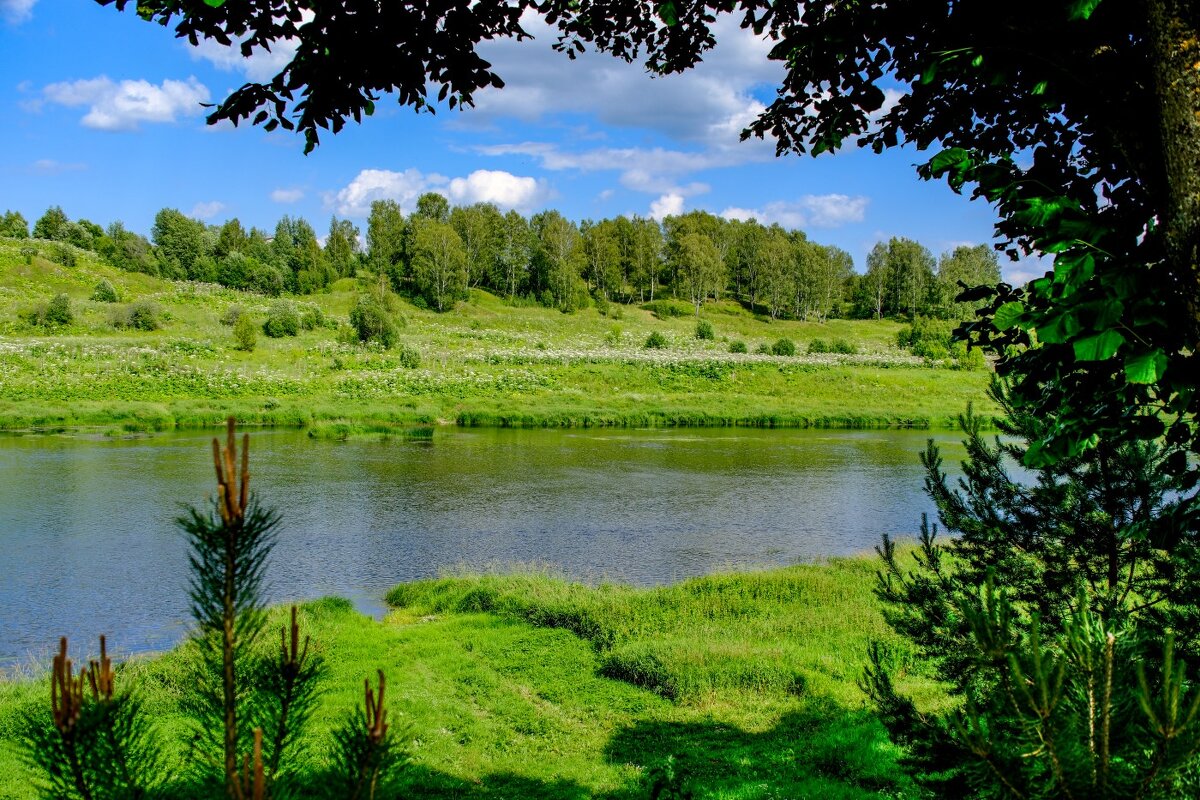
952	157
977	61
369	108
1146	367
1007	315
214	3
1082	9
1040	87
1100	347
1059	329
667	13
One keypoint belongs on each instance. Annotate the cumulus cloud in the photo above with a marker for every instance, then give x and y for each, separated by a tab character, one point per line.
16	11
710	104
809	211
482	186
1019	273
207	210
287	195
669	205
122	106
260	66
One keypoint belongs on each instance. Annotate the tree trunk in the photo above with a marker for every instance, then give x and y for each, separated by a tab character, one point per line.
1175	42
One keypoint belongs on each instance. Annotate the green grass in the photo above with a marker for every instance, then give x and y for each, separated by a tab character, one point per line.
484	363
525	685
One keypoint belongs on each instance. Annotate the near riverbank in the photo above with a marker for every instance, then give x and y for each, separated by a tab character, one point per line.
527	685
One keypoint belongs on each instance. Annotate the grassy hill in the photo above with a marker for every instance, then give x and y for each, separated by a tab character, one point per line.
484	363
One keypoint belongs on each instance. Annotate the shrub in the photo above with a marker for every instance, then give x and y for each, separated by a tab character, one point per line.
143	315
372	321
737	346
28	252
656	341
282	320
926	337
704	330
245	333
844	347
783	347
58	312
666	309
409	357
311	318
763	349
613	337
63	254
232	315
105	292
818	346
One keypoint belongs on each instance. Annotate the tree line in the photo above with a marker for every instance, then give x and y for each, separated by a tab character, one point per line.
438	252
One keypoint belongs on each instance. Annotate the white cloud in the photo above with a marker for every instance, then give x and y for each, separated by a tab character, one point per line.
809	211
16	11
260	66
287	195
482	186
207	210
495	186
1019	273
48	166
669	205
122	106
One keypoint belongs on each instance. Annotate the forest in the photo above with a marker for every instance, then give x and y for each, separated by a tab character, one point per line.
437	253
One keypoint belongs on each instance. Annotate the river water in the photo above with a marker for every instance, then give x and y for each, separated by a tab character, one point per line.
88	544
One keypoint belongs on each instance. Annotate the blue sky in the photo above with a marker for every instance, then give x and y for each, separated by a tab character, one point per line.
102	117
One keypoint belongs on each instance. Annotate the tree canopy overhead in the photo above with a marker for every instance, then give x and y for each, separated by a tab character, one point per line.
1078	119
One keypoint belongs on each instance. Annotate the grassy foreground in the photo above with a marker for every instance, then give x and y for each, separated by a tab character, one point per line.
484	363
526	685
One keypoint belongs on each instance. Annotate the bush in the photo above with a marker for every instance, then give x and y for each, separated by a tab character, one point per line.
818	346
59	311
311	318
282	320
63	254
143	315
656	341
763	349
105	292
372	321
409	357
737	346
704	330
844	347
613	337
232	315
666	309
28	252
783	347
927	338
245	333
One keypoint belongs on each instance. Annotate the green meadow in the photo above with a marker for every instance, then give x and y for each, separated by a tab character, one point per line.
487	362
527	685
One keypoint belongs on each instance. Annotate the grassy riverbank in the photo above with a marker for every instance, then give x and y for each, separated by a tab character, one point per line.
485	363
519	686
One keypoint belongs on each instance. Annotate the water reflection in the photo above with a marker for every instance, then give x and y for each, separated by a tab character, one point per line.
87	541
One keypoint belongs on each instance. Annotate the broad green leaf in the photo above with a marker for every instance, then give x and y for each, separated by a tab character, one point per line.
1058	329
1099	347
1146	367
1040	87
1007	315
946	159
1082	9
214	3
667	13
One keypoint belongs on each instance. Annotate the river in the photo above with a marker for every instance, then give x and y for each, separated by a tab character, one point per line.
88	543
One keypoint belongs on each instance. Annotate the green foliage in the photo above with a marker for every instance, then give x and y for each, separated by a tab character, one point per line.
245	333
28	253
668	309
232	314
61	253
141	315
704	330
783	347
58	312
372	321
105	292
282	320
1053	592
763	349
819	346
926	337
51	225
408	357
13	225
737	346
656	341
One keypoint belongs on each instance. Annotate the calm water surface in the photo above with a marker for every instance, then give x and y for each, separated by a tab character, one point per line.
88	544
